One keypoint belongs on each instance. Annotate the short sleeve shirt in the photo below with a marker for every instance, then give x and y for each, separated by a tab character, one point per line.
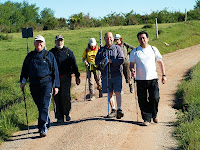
145	59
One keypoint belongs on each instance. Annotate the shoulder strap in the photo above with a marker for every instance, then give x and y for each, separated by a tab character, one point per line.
153	50
44	57
66	51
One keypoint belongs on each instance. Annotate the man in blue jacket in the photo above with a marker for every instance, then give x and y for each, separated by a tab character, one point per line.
115	57
41	69
67	66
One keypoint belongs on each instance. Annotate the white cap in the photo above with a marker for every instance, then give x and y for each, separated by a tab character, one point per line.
92	42
117	36
39	38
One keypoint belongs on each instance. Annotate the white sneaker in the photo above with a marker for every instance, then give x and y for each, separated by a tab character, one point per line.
92	98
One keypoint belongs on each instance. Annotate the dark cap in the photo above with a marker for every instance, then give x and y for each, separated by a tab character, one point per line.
59	37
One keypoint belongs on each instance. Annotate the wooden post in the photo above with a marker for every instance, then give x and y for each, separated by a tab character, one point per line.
100	37
185	15
156	28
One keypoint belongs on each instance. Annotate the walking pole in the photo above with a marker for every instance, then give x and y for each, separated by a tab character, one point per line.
25	109
85	83
107	88
136	98
54	107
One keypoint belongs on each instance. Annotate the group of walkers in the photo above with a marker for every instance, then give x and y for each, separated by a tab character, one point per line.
50	73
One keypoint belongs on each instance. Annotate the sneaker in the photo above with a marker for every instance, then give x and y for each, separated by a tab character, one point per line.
43	132
131	88
68	118
112	113
100	93
92	98
119	114
146	123
155	120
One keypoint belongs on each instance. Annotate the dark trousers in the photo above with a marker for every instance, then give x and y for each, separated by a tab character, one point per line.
148	98
63	98
42	97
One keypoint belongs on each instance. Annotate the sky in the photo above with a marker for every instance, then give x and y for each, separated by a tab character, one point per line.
101	8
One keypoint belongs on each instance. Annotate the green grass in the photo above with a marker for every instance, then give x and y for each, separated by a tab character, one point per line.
13	52
188	124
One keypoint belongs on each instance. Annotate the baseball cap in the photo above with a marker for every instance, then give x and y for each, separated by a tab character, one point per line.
39	38
117	36
59	37
92	42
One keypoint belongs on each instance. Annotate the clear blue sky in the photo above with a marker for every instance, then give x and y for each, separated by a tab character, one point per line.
101	8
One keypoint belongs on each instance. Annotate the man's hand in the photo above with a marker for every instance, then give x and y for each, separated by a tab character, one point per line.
22	86
55	91
164	79
86	64
133	73
78	81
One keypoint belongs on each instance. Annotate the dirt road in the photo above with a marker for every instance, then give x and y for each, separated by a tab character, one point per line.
89	130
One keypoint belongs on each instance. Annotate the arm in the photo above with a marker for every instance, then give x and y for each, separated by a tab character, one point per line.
56	80
25	71
162	67
75	68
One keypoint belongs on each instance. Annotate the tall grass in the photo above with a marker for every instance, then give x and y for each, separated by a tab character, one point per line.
188	124
13	52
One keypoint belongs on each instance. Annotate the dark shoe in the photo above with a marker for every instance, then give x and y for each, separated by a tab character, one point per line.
112	113
43	132
131	88
146	123
60	120
68	118
155	120
119	114
100	93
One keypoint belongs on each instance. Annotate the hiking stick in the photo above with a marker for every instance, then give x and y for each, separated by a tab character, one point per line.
25	108
85	84
54	107
136	98
107	87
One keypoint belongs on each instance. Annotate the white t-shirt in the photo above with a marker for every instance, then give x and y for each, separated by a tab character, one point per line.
145	59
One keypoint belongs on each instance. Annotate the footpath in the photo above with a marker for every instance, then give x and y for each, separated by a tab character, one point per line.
89	129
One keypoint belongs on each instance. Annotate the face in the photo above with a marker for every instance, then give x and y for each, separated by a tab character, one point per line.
92	47
59	43
118	41
39	45
109	39
143	40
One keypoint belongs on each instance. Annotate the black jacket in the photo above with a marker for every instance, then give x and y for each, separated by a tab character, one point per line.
66	61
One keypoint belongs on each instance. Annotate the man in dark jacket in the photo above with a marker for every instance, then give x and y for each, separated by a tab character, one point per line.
115	57
67	66
41	68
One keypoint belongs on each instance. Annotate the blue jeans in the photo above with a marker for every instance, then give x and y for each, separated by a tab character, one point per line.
42	97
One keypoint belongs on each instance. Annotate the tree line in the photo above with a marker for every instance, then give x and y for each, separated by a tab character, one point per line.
14	16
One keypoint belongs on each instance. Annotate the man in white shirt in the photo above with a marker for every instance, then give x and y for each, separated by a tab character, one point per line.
144	57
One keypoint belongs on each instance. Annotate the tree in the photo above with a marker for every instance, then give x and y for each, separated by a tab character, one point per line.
197	6
48	20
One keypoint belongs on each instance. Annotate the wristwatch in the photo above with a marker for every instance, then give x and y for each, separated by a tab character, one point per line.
164	75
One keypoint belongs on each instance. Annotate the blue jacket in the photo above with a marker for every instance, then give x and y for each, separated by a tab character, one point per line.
39	69
115	53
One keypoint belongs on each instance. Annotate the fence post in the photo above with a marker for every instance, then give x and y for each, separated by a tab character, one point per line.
100	37
156	28
185	15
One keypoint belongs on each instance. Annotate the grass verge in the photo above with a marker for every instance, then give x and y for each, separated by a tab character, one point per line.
188	124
